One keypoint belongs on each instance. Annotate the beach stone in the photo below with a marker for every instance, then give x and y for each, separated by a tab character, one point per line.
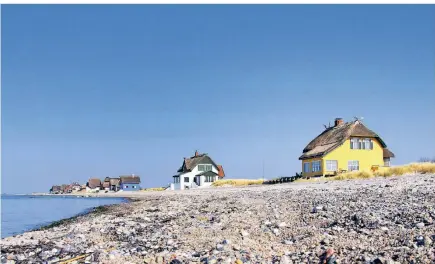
244	233
285	260
276	231
288	242
219	247
420	225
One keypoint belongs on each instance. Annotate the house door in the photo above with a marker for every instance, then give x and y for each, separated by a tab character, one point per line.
197	180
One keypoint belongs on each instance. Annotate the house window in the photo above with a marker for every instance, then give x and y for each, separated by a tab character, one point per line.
126	186
353	165
306	167
204	167
209	178
331	165
368	143
186	179
176	179
353	143
387	162
316	166
359	143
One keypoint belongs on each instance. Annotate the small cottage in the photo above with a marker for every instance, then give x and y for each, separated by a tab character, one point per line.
93	185
106	185
76	187
55	189
113	183
344	147
197	171
129	183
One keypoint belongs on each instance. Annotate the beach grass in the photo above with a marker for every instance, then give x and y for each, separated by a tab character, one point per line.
156	189
237	182
353	175
413	168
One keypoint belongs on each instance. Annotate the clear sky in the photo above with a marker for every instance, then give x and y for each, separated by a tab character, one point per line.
96	91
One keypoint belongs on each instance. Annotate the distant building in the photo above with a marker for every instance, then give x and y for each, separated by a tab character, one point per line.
113	183
55	189
197	171
93	185
76	187
106	185
129	183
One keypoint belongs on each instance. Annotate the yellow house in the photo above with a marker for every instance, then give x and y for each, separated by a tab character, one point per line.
344	147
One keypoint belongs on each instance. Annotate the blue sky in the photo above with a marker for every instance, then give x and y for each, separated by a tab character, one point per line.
96	91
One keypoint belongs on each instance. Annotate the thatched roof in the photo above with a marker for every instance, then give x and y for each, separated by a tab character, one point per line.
132	179
94	183
335	136
112	181
190	163
55	188
388	153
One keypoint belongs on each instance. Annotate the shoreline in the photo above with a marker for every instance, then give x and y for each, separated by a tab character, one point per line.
85	212
89	212
285	223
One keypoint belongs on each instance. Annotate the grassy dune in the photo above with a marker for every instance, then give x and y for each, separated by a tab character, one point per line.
153	189
421	168
237	182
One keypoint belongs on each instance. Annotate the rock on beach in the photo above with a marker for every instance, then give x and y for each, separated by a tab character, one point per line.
363	221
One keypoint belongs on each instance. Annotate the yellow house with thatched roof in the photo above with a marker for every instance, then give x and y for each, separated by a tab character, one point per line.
344	147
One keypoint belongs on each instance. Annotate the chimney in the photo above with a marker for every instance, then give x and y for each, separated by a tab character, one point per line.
196	153
338	121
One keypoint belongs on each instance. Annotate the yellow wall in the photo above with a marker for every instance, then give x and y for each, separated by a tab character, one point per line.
367	158
312	174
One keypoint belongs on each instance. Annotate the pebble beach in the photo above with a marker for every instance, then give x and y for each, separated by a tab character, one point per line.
379	220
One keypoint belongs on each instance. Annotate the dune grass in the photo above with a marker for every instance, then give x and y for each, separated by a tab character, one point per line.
237	182
157	189
413	168
353	175
422	167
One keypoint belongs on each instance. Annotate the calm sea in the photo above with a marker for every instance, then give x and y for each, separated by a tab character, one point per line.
22	213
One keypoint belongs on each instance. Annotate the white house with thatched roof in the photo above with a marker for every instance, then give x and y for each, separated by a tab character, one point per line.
197	171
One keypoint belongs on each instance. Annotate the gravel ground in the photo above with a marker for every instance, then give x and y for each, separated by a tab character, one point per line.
363	221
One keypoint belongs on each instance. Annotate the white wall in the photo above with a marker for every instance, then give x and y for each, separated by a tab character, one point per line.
191	175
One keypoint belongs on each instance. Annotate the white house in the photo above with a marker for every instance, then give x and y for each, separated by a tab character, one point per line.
196	172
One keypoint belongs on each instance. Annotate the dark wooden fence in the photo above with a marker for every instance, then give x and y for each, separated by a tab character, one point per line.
283	179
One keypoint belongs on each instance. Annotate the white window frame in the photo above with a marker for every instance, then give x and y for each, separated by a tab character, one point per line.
188	179
368	143
331	165
353	143
177	179
387	162
205	167
306	167
316	166
209	178
353	165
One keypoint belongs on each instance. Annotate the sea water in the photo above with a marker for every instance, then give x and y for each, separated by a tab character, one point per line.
20	213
